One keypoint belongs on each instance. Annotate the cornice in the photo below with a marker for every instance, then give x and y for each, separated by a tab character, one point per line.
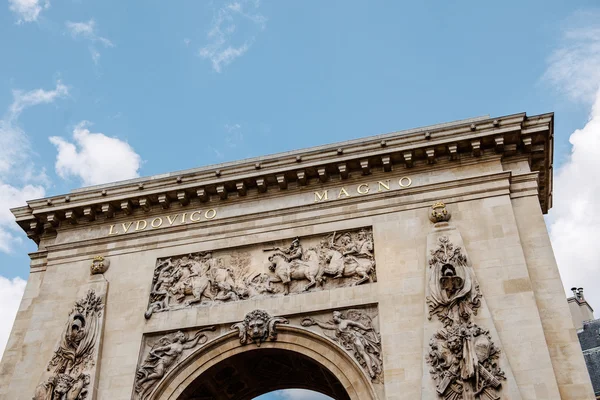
509	136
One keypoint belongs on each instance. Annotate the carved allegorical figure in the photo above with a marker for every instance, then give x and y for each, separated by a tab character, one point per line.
202	278
72	361
354	330
162	356
462	356
257	327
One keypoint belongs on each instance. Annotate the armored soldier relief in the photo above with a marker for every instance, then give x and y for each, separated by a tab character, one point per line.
299	265
74	359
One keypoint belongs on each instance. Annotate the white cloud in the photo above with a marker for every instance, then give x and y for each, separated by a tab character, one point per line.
27	10
573	221
19	181
88	31
23	100
11	196
221	51
94	157
11	291
234	136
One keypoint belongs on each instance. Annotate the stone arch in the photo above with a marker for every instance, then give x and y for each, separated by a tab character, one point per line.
302	342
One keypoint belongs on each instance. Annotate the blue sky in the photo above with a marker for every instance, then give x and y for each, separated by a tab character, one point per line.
180	84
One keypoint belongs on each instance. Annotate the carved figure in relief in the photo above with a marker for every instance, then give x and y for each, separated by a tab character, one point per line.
74	356
185	280
164	354
354	330
257	327
346	257
463	362
453	292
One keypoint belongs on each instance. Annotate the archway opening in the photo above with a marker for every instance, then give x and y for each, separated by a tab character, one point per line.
250	374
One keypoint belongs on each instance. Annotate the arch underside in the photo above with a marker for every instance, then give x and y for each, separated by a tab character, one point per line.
247	375
224	369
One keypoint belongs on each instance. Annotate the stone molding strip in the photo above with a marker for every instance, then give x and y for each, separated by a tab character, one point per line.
508	136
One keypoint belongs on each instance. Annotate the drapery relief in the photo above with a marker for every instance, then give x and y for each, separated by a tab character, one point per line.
463	359
72	366
302	264
355	330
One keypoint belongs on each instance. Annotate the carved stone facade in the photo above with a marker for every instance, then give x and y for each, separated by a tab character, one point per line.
74	360
338	259
324	268
163	354
257	327
462	355
354	330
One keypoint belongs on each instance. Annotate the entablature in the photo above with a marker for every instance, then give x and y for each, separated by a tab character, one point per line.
510	136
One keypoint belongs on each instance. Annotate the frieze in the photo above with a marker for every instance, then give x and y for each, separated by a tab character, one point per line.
334	260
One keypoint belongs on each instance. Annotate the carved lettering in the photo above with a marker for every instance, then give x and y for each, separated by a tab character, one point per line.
343	192
195	219
138	225
383	185
210	214
126	226
321	196
405	182
363	189
110	232
172	220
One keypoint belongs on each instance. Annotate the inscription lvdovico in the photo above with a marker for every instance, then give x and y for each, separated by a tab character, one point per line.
157	222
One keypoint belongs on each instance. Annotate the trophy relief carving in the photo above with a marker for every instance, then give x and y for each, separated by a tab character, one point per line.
165	353
453	291
462	356
257	327
354	331
314	263
73	360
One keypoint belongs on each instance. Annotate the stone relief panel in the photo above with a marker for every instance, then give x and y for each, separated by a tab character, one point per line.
463	359
72	366
162	353
354	330
303	264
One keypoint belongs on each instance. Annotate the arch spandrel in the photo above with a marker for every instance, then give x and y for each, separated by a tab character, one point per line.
290	339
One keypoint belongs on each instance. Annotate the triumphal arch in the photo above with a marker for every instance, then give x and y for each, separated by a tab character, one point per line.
410	265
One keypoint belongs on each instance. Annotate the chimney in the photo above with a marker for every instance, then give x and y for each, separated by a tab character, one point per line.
581	311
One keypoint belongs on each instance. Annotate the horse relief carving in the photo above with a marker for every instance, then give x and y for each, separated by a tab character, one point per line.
73	360
314	263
